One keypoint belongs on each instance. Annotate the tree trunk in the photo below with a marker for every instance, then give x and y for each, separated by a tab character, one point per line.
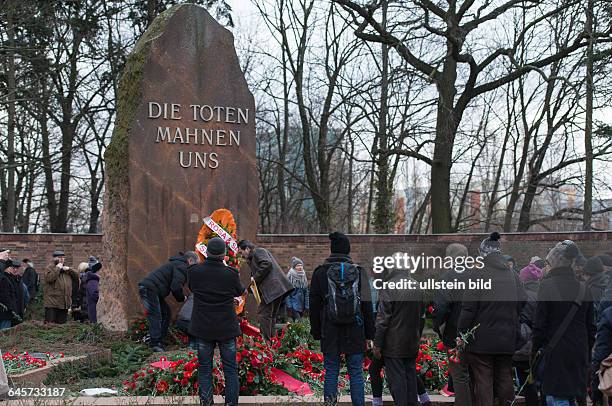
588	126
446	128
8	220
383	212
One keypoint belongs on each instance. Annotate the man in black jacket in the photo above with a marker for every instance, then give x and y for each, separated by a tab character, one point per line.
447	308
31	279
398	335
214	321
11	295
153	289
495	315
337	339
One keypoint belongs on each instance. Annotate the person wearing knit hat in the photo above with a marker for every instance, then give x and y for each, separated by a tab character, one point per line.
271	282
565	377
494	313
339	243
213	320
597	278
348	338
297	301
490	244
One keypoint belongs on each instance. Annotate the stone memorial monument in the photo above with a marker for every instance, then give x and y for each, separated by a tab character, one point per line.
183	145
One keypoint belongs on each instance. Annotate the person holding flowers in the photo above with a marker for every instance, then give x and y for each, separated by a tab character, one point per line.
495	312
272	284
214	321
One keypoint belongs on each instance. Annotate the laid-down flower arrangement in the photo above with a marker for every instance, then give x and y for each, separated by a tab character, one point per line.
17	363
291	363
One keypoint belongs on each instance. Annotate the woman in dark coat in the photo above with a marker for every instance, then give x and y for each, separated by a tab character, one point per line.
601	351
564	379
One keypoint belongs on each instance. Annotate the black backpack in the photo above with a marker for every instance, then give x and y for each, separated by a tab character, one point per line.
343	301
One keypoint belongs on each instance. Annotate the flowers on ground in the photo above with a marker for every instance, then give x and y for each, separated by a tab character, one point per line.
17	363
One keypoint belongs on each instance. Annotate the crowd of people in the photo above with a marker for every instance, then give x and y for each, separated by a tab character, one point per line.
540	331
64	290
544	313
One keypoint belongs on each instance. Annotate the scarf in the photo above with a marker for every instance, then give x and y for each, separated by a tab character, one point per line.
297	279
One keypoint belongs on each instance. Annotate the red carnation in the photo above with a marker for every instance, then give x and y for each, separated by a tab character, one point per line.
250	377
238	357
162	386
429	374
440	346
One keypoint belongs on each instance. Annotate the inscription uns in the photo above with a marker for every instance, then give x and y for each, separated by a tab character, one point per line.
198	136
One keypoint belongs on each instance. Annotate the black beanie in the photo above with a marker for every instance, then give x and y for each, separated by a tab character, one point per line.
593	266
340	243
216	247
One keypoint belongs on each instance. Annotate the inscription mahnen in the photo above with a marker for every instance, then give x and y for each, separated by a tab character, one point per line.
214	137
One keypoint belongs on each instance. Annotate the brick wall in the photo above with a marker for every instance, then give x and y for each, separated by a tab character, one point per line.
313	249
39	247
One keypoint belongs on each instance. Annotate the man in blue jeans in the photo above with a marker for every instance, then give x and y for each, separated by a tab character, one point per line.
214	321
153	289
342	325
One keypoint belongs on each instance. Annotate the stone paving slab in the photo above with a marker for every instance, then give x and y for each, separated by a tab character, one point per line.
437	400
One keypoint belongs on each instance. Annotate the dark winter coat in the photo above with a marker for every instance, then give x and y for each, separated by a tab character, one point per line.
90	286
603	342
398	319
495	310
32	281
214	286
58	287
168	278
3	265
447	308
606	297
526	319
10	294
18	287
597	285
565	374
271	281
339	339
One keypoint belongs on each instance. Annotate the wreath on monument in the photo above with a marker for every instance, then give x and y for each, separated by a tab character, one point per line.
221	224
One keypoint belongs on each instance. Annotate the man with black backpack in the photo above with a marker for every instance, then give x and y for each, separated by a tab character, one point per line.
341	318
